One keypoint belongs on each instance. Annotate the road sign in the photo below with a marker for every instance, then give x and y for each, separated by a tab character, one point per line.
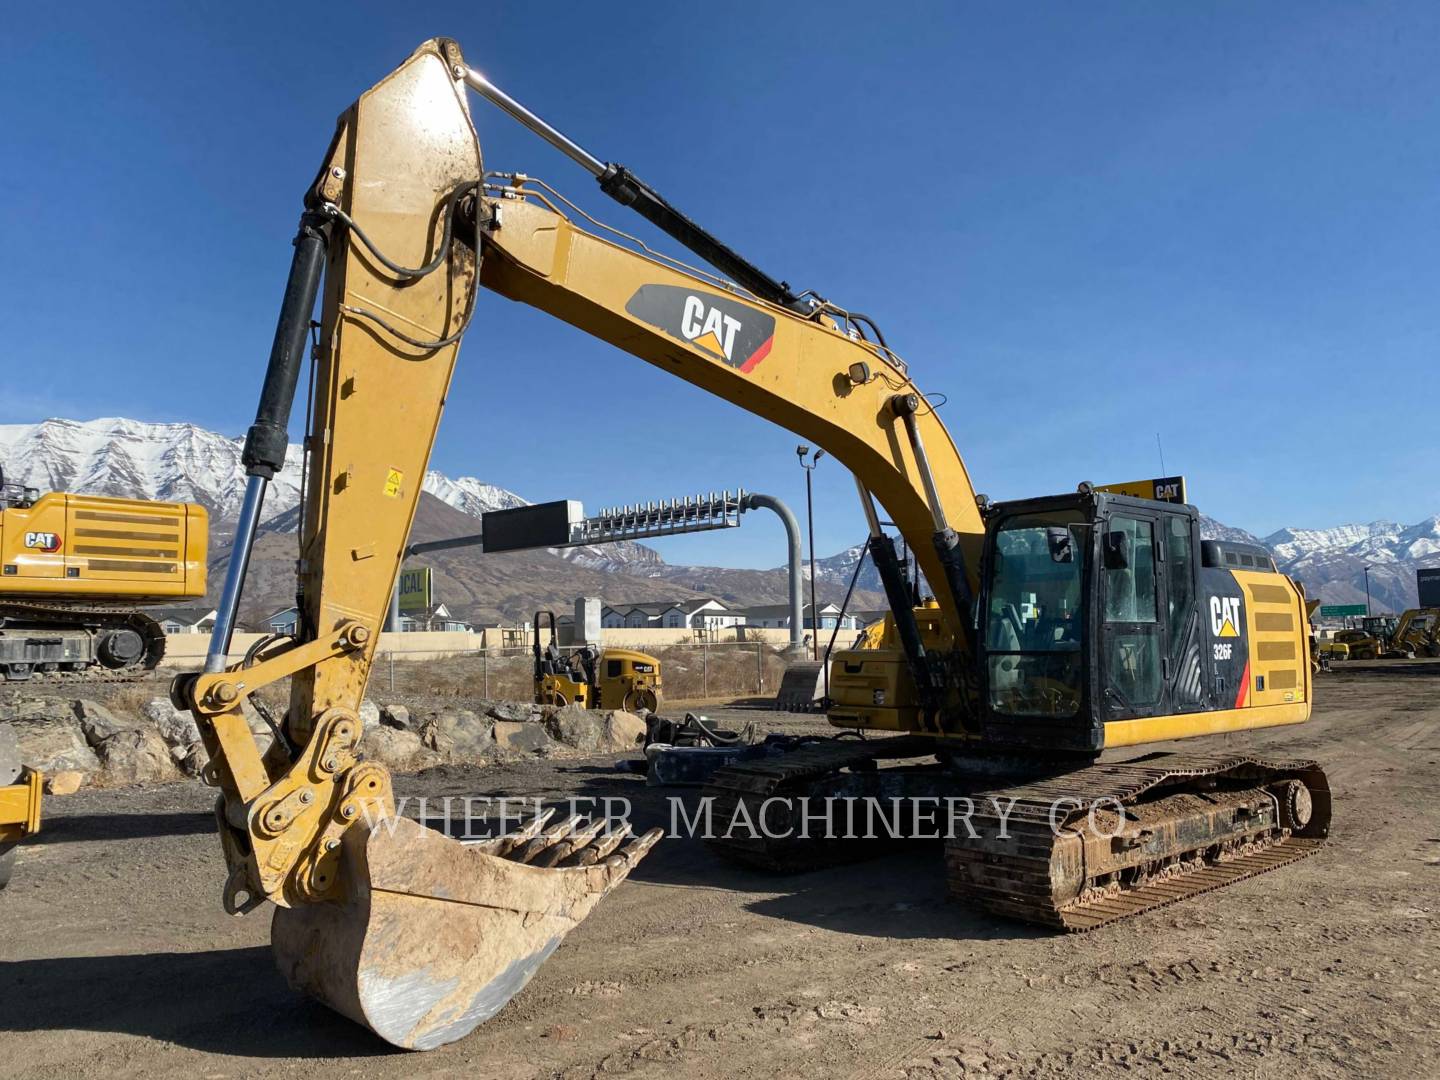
417	590
1341	611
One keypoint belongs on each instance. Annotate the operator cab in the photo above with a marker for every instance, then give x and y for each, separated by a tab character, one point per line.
1091	612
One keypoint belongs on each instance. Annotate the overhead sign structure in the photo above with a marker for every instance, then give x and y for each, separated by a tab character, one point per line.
1427	582
1161	488
523	528
417	590
1341	611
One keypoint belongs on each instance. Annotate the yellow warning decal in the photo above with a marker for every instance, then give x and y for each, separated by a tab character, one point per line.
393	481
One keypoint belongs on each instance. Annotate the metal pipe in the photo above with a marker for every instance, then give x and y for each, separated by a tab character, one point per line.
922	461
556	138
753	501
867	504
220	636
392	617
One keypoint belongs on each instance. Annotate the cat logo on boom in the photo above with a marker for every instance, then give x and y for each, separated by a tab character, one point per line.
719	326
47	542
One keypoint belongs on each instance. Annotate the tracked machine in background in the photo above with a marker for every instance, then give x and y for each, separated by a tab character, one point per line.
75	571
1063	627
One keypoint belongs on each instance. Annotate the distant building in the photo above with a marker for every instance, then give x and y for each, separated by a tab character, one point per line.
284	621
699	613
185	620
777	617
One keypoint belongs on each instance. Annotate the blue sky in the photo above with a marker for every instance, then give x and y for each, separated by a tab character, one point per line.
1084	223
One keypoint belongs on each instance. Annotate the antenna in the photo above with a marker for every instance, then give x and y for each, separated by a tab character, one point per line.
1159	446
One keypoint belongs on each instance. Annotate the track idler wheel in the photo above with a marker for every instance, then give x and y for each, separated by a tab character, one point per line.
435	936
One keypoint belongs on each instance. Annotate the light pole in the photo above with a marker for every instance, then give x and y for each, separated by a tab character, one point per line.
800	452
1367	592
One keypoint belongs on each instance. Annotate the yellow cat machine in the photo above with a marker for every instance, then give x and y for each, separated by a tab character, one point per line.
19	801
593	678
75	571
1065	627
1416	634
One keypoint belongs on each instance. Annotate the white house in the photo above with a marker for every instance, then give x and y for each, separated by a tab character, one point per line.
777	617
185	620
700	614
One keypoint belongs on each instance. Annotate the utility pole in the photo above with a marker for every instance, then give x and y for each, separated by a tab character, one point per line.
801	451
1367	592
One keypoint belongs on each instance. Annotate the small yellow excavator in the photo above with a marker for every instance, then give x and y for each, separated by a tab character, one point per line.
1064	626
1416	634
593	678
75	571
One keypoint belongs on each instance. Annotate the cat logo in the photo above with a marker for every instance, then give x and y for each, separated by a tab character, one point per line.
1224	616
721	327
43	541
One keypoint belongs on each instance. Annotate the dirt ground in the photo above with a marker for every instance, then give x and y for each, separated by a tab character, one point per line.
118	961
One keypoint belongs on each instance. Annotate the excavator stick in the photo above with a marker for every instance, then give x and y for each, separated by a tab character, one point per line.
435	936
413	934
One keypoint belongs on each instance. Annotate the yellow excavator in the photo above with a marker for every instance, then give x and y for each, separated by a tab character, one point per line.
75	571
1063	626
593	678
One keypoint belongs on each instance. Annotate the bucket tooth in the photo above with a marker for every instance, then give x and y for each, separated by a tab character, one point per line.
434	936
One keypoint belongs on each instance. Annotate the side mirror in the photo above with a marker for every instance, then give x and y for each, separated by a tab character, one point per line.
1117	551
1058	537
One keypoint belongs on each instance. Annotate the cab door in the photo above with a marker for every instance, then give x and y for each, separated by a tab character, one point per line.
1186	666
1133	647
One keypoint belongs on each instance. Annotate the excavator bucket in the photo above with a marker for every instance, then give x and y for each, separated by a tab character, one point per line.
436	935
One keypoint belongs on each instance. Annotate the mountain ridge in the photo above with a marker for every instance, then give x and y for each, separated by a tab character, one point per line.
183	462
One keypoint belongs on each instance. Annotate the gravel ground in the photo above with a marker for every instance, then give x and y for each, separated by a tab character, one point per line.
116	959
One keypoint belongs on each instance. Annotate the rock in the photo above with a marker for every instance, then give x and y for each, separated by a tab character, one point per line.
64	782
135	756
190	759
578	727
521	738
434	735
391	747
55	745
624	730
176	726
396	716
519	712
369	714
473	736
97	722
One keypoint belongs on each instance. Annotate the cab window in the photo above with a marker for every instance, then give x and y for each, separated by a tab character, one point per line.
1132	631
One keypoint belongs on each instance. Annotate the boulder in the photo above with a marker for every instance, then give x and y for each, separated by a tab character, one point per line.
624	730
435	735
391	747
369	714
176	726
578	727
396	716
135	756
191	759
518	712
54	745
97	722
521	738
64	782
264	736
473	737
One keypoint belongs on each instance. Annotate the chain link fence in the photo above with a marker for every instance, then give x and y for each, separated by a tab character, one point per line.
690	672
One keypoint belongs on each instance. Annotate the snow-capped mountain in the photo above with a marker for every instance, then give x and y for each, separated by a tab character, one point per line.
186	463
180	463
